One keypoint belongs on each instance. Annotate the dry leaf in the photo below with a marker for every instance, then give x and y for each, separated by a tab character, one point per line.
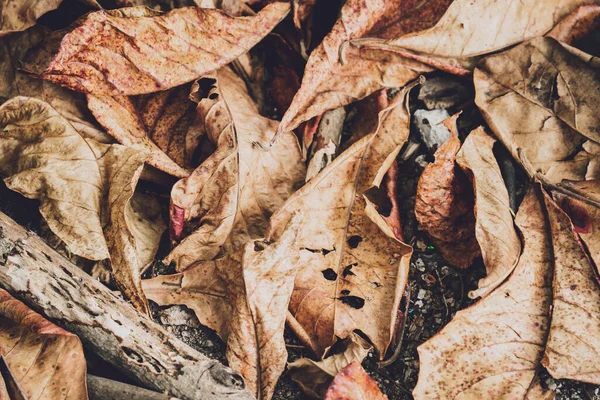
163	122
82	185
235	191
314	377
444	205
577	25
19	15
353	383
536	97
356	269
121	53
492	349
494	229
46	361
327	84
574	337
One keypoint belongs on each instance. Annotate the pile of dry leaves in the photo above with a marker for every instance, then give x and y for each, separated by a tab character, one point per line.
296	220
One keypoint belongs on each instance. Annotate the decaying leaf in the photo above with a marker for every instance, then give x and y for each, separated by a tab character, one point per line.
19	15
123	53
353	383
444	205
536	99
314	377
577	25
494	228
356	269
84	188
46	361
493	348
234	192
163	122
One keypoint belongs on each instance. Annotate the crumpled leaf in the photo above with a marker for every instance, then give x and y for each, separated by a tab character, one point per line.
494	229
82	186
234	192
162	122
327	84
46	361
493	348
19	15
536	99
574	337
356	269
128	53
314	377
444	204
353	383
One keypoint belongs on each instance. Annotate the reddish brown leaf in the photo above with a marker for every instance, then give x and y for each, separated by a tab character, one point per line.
353	383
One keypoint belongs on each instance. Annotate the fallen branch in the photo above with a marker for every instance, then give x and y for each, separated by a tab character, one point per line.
48	283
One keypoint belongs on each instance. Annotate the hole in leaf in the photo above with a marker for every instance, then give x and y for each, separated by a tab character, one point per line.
353	301
345	292
353	241
425	121
330	274
348	270
206	85
213	96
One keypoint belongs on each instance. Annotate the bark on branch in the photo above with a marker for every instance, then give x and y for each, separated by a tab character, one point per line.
48	283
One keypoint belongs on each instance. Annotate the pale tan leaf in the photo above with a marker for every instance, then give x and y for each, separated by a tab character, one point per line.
492	349
235	191
536	98
353	383
444	205
19	15
46	361
494	228
127	55
572	349
314	377
356	269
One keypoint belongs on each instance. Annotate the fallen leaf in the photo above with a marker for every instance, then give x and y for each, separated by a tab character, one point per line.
129	53
235	191
444	204
494	228
82	185
574	336
314	377
163	122
536	99
46	361
356	269
353	383
493	348
577	25
19	15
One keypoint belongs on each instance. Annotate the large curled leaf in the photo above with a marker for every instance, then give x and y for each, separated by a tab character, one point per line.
46	361
118	53
18	15
82	185
493	348
235	191
536	99
356	269
494	228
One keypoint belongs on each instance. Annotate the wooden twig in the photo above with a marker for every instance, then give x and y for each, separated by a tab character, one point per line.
106	389
48	283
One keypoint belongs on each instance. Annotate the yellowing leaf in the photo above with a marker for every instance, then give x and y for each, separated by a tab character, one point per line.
126	54
46	361
235	191
355	270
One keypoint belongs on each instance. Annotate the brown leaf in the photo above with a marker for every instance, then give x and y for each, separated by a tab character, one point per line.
444	205
111	53
493	348
574	337
314	377
328	84
577	25
47	361
19	15
356	269
82	185
235	191
494	229
163	122
536	97
353	383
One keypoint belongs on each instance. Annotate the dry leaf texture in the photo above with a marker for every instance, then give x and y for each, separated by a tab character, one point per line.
353	383
19	15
